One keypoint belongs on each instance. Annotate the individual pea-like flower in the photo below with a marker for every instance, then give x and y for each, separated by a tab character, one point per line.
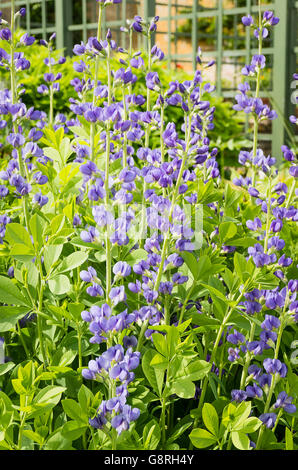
269	18
236	338
178	278
117	294
121	269
233	354
270	322
122	421
285	402
268	419
76	220
275	366
254	391
40	199
247	20
238	395
27	40
89	275
152	81
254	225
89	235
101	216
95	290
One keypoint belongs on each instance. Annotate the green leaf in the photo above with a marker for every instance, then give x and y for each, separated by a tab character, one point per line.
135	256
72	261
57	441
72	430
22	252
6	367
10	315
51	255
80	131
240	440
289	440
36	226
153	375
245	242
159	362
75	310
227	230
180	428
201	438
243	268
215	292
160	343
210	418
183	388
191	262
59	284
85	397
16	233
45	400
74	411
151	435
250	425
9	293
266	281
33	436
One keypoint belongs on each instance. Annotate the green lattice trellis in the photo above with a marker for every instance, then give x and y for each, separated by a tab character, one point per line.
75	20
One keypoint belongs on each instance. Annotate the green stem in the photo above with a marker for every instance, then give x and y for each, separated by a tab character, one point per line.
293	187
124	163
268	217
13	101
39	316
173	203
22	424
163	422
141	334
273	383
167	315
79	345
266	409
106	182
92	126
247	358
185	302
214	351
257	94
28	355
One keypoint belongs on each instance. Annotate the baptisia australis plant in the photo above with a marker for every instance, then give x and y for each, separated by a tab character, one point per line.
132	277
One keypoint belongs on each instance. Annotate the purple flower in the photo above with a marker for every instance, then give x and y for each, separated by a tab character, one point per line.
89	235
270	322
122	269
5	34
236	338
254	224
238	395
117	295
247	20
89	275
122	421
95	290
27	40
285	402
275	366
268	419
253	391
152	81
